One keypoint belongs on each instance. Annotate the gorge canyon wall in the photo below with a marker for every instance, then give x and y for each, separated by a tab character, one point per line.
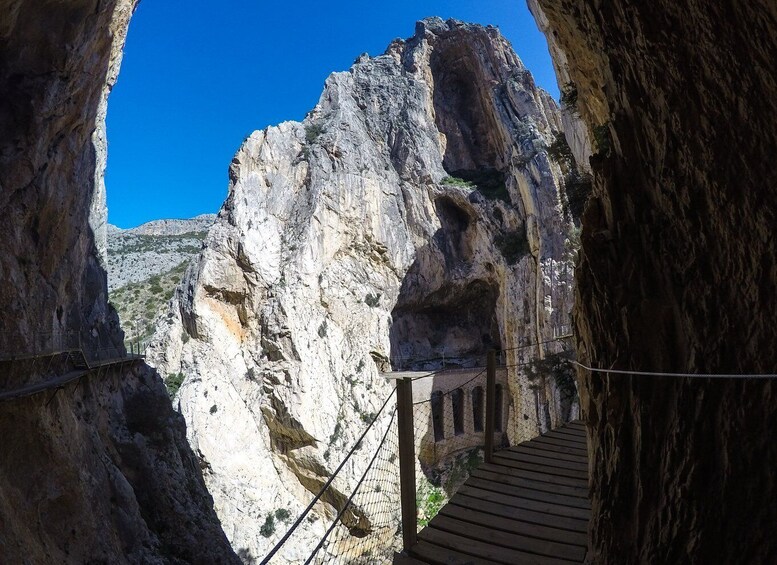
678	271
99	471
416	213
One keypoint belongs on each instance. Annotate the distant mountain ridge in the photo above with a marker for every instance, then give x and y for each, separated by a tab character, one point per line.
145	264
167	226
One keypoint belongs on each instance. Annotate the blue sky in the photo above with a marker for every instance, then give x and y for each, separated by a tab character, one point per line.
199	76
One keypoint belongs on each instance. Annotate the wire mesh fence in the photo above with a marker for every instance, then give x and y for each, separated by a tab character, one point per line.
355	519
366	529
542	388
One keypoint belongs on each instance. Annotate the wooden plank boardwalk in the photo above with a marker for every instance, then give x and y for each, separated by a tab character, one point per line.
529	506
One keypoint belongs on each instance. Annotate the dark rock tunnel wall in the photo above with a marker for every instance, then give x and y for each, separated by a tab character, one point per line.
461	113
678	272
100	471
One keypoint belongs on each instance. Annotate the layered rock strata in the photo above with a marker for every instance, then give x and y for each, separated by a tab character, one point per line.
100	471
416	213
677	273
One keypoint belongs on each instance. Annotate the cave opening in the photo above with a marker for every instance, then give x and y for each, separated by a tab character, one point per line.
464	117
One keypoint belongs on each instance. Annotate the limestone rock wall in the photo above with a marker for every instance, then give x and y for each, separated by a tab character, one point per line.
100	472
414	212
678	272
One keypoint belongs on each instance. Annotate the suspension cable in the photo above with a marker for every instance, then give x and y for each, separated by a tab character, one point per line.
355	490
327	484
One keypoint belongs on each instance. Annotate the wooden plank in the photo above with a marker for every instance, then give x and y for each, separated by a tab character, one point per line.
501	523
559	434
569	442
406	560
520	455
562	434
529	544
526	479
574	436
484	550
538	443
530	493
522	514
568	447
573	429
555	509
540	451
437	555
554	471
540	475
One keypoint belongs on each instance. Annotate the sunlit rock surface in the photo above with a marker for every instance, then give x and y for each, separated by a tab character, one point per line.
415	213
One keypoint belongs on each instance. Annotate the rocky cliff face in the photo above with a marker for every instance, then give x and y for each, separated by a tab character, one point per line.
678	272
101	471
415	213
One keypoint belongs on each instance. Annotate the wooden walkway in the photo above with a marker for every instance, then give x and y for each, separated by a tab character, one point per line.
529	506
82	365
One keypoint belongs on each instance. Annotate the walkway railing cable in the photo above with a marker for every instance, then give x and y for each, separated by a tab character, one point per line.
327	484
682	375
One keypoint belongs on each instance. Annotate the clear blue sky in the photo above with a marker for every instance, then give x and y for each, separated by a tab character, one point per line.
199	76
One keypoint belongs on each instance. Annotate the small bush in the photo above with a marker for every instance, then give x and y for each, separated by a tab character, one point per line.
557	366
372	300
456	181
491	183
322	329
429	500
577	188
313	131
338	431
602	139
560	150
569	95
173	383
367	417
268	528
214	409
282	515
512	245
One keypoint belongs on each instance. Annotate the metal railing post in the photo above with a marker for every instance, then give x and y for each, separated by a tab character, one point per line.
490	404
406	463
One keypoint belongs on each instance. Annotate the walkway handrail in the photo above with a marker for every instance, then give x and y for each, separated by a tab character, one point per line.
61	380
682	375
327	484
